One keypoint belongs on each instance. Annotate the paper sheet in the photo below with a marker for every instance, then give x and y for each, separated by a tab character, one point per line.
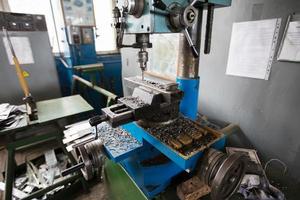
252	48
22	48
290	50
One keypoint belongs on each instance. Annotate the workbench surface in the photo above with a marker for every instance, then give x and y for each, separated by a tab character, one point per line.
54	109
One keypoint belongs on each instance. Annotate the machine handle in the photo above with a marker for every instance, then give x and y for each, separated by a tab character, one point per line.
73	169
191	44
160	4
209	24
94	121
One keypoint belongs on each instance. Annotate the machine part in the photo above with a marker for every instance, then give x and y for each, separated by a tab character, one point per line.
192	189
185	140
209	24
169	91
134	7
222	173
73	169
142	60
191	43
118	114
177	134
181	19
31	108
142	42
87	170
228	177
74	35
175	144
151	102
91	155
159	4
155	85
94	121
98	89
255	184
187	63
189	16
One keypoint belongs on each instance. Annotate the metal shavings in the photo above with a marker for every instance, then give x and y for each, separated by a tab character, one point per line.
150	83
133	102
116	140
182	126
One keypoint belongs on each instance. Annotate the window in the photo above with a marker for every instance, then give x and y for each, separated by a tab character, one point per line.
44	8
106	35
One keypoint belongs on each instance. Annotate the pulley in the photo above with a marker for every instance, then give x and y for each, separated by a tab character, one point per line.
222	173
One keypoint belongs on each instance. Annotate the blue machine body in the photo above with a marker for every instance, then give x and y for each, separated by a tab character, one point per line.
150	22
153	179
189	103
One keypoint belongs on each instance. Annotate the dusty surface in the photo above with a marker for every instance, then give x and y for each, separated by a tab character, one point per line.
97	192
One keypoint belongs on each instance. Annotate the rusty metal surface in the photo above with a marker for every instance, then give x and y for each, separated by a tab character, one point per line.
192	189
184	136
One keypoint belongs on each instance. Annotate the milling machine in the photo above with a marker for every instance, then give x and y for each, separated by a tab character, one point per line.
160	115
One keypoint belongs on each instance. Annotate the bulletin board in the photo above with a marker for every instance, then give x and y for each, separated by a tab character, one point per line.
78	12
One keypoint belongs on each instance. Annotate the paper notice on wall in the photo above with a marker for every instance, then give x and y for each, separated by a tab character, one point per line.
22	49
290	49
252	48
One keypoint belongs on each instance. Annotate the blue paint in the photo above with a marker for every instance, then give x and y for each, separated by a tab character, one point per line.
83	54
64	75
189	103
151	179
183	162
110	78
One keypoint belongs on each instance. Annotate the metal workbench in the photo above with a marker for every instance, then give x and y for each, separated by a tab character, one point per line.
46	128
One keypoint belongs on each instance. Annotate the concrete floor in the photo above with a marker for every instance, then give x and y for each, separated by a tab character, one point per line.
97	192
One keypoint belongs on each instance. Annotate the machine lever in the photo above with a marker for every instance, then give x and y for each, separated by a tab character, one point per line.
94	121
209	24
73	169
191	44
160	4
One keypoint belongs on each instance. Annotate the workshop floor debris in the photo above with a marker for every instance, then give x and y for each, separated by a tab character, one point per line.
40	173
116	140
11	116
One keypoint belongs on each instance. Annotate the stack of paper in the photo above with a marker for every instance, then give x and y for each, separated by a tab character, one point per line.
11	116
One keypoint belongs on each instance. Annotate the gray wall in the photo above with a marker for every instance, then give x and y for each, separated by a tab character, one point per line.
267	111
43	80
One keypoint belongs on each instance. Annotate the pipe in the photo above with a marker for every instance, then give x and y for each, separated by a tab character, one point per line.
94	87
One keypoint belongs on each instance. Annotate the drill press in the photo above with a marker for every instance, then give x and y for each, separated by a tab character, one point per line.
160	115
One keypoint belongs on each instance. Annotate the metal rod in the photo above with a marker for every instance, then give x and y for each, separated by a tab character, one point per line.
73	169
209	24
19	71
95	87
51	187
191	44
10	172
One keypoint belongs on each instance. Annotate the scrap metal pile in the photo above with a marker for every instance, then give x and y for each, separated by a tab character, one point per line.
184	135
89	146
116	140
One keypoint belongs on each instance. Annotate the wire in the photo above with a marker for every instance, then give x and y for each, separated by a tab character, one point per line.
275	159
